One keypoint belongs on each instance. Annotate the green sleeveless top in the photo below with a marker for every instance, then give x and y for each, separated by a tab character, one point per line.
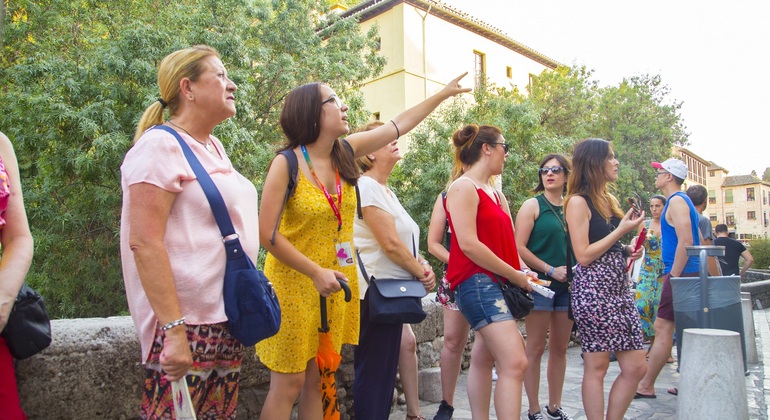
548	241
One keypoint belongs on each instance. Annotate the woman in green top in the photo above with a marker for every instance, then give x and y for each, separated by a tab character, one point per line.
542	243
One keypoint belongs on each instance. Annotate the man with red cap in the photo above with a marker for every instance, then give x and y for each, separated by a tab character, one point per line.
679	229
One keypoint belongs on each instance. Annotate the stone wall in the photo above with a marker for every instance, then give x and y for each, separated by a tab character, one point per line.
92	370
753	275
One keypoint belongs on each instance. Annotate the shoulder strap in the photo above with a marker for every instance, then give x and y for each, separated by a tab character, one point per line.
213	196
293	166
461	178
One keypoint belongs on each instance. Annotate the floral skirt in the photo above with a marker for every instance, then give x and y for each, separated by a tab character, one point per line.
212	378
603	306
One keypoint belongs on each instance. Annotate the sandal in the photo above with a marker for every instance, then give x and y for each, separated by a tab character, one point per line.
417	417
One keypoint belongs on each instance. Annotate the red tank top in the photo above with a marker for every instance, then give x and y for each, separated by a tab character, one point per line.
494	229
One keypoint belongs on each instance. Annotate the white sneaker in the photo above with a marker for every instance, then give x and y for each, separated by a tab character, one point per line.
560	414
494	374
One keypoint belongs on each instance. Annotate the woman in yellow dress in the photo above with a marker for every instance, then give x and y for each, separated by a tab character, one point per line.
313	246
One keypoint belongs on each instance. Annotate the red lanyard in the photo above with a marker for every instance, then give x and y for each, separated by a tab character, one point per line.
335	206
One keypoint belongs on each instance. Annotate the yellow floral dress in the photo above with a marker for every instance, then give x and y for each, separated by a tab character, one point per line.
308	222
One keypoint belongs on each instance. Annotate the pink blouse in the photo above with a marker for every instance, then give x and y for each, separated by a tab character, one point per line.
193	241
5	192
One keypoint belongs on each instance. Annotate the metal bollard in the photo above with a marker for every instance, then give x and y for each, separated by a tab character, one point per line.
749	337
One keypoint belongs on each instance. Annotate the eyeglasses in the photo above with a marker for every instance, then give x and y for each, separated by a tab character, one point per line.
337	101
505	145
658	173
553	169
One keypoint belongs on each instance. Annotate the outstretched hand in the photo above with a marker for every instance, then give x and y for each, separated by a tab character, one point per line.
454	87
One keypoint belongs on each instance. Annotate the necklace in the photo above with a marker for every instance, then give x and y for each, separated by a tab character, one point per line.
207	145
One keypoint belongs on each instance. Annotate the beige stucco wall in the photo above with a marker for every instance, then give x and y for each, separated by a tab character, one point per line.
448	51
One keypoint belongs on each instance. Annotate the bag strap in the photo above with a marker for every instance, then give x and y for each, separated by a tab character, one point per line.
213	196
566	236
293	166
361	267
569	258
358	254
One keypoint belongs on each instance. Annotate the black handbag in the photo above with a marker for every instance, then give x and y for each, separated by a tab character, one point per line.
519	301
251	305
28	330
394	301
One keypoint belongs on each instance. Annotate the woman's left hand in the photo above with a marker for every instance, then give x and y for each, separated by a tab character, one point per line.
175	357
635	255
454	88
429	281
560	274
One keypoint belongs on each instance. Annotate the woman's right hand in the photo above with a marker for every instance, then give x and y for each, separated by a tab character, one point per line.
175	357
523	280
325	281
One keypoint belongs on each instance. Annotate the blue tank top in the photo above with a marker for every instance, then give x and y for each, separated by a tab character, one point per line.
670	241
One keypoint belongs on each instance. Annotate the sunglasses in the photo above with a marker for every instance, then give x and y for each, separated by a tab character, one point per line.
505	146
553	169
337	101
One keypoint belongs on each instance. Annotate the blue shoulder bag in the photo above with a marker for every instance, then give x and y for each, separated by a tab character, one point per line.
252	308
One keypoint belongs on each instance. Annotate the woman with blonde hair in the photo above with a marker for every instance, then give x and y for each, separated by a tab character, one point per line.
170	244
602	302
387	239
482	254
313	245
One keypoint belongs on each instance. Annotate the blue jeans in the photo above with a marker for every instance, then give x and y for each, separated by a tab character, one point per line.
481	301
559	303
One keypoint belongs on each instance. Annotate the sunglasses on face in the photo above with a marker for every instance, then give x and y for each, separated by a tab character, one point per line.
505	146
337	101
553	169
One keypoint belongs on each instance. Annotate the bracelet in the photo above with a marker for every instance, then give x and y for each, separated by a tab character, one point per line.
172	324
626	252
398	133
424	262
550	273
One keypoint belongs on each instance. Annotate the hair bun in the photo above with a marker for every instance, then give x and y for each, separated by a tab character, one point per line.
465	135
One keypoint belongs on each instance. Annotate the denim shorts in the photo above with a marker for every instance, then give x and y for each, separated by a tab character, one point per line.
481	301
559	303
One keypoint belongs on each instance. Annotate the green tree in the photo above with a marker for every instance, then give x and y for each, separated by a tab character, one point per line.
566	99
76	75
760	250
643	123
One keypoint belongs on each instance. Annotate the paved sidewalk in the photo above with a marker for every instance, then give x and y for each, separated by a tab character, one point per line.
663	407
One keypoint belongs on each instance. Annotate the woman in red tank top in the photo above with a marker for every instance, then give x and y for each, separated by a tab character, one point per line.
483	251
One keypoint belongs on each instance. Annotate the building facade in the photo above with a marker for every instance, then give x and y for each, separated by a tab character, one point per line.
427	43
740	202
697	167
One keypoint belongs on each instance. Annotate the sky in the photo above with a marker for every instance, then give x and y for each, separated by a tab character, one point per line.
713	55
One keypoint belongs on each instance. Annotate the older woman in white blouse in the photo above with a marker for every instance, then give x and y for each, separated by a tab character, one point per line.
388	243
